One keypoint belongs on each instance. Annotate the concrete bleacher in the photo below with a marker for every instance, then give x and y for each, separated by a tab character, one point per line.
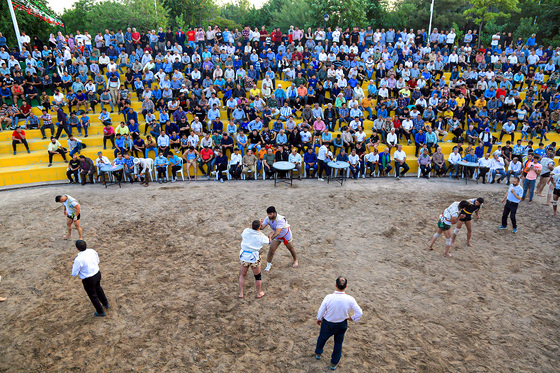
26	168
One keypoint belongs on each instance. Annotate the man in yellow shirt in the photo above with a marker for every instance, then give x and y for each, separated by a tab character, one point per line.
367	104
255	92
480	103
122	129
56	148
460	101
405	92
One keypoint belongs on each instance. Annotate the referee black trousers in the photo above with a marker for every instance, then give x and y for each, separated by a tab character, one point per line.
510	209
92	286
330	329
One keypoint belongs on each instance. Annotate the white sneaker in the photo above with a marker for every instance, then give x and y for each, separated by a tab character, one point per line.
174	180
221	180
321	179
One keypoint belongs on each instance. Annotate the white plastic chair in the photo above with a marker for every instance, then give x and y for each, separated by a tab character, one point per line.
180	171
228	176
420	172
254	176
155	173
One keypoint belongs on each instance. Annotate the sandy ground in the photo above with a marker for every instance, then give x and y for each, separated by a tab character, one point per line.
169	260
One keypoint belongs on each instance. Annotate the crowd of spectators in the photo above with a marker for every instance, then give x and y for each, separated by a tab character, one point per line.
190	82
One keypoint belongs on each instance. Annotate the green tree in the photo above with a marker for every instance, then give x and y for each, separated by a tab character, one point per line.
293	12
376	13
114	15
27	23
485	11
350	13
194	12
242	12
222	23
398	18
75	18
445	13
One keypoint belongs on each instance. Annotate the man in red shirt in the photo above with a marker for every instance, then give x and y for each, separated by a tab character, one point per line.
276	38
25	110
135	37
500	92
206	158
191	34
264	35
18	137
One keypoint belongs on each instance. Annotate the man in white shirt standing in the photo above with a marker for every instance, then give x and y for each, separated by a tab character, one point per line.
86	265
72	212
400	162
250	256
333	319
322	157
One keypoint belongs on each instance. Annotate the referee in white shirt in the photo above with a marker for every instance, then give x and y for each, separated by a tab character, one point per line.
86	265
333	318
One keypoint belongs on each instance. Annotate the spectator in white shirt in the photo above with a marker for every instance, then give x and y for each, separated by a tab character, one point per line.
392	139
372	160
454	158
163	144
497	166
86	265
236	164
485	164
514	169
297	160
400	162
354	160
333	318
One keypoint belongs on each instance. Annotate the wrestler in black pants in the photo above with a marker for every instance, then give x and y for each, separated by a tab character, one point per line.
92	286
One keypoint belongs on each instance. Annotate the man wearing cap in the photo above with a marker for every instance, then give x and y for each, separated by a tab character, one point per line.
486	139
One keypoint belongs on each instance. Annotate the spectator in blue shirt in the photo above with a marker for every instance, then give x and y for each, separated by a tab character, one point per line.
310	160
161	163
119	145
176	164
419	140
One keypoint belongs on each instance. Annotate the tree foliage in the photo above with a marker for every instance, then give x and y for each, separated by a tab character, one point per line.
349	13
27	23
293	10
191	12
485	11
113	15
